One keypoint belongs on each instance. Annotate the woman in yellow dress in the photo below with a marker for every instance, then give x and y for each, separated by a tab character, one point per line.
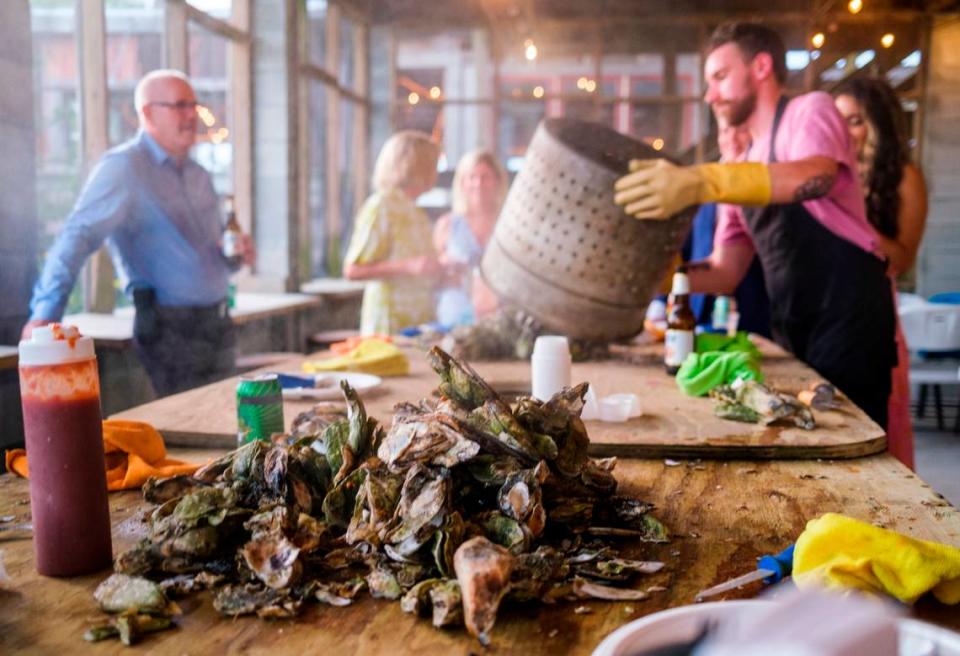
392	246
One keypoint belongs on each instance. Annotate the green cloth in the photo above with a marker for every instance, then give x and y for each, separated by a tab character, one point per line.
740	343
701	372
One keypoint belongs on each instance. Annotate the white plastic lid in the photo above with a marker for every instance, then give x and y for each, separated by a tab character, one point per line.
681	284
55	344
551	346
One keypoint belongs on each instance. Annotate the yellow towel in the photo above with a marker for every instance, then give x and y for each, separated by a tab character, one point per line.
840	552
371	356
134	452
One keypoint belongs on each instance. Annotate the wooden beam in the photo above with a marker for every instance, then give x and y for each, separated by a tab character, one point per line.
240	95
634	20
294	155
333	218
229	30
361	112
176	53
98	290
304	170
923	80
319	74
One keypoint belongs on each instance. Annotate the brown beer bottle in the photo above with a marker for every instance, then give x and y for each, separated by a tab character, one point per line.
232	234
679	340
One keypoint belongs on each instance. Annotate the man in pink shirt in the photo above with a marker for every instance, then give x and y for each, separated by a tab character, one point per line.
795	202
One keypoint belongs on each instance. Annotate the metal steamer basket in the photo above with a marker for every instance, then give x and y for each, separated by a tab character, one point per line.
563	251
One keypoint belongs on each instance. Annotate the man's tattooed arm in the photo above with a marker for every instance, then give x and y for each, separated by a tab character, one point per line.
814	187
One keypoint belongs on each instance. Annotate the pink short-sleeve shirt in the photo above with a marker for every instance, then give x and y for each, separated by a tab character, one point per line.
811	126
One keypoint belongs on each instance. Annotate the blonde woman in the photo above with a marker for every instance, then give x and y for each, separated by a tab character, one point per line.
391	245
479	186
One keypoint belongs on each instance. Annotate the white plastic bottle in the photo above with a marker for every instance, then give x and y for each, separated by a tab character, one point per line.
550	366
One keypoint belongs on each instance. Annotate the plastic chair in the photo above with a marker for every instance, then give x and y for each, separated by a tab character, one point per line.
933	328
906	299
946	298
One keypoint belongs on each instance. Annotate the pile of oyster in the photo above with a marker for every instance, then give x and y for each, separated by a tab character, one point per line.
464	503
509	334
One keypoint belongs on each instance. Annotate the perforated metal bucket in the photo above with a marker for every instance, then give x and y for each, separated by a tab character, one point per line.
563	251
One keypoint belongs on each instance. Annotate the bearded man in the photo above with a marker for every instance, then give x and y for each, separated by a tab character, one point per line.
793	200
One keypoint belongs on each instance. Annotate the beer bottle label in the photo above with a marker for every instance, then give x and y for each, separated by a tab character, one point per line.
679	344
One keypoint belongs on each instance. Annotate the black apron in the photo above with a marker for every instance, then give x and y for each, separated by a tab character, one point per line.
831	301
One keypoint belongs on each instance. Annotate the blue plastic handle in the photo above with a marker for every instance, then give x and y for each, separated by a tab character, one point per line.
781	565
290	381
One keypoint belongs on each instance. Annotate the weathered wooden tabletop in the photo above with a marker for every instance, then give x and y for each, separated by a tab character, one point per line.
723	514
672	424
115	330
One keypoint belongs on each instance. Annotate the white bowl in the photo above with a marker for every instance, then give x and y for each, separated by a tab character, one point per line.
684	623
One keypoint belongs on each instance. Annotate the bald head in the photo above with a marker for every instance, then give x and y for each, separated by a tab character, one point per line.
151	86
167	109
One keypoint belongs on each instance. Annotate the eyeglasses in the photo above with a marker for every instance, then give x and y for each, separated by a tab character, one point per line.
180	105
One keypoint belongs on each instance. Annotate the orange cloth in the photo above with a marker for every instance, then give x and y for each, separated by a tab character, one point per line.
134	452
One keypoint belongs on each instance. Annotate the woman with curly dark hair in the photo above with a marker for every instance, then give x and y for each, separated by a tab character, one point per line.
894	188
896	201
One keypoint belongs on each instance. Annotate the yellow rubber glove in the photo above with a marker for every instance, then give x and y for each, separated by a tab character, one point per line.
658	189
840	552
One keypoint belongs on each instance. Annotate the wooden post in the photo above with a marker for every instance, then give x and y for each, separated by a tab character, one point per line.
176	52
332	64
304	170
670	123
240	93
98	290
361	112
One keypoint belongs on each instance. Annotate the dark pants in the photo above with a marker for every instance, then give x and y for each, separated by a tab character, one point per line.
184	347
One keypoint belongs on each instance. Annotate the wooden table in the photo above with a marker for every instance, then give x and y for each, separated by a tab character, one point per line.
8	357
723	515
116	330
333	287
672	425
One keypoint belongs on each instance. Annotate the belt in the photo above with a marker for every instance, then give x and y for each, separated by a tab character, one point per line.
219	310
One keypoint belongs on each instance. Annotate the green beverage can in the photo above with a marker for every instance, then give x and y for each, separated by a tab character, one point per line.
259	408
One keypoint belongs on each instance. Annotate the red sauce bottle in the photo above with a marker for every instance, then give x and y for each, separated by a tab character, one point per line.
60	392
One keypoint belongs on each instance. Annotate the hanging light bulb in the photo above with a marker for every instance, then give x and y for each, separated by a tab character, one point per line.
657	144
529	50
582	83
413	98
887	40
854	6
817	40
591	86
538	92
435	93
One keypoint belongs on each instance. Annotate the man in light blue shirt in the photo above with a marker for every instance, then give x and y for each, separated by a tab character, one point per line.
159	214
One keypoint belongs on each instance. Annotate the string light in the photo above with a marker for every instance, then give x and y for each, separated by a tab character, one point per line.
529	50
413	98
657	144
538	92
582	83
206	116
591	86
818	40
435	92
854	6
887	40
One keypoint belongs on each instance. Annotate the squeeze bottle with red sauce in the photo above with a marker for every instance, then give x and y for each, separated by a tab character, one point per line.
60	391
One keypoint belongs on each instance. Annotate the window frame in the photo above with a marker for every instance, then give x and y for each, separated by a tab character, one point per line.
357	93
